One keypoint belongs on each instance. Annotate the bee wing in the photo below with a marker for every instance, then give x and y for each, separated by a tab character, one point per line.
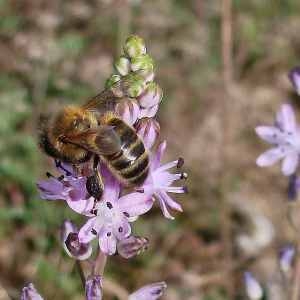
102	140
104	101
109	98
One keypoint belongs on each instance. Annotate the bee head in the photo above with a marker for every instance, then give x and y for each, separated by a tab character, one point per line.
74	120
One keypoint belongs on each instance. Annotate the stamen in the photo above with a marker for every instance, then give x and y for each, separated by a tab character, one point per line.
126	214
61	177
94	231
184	175
140	190
108	234
180	162
94	211
109	205
120	229
49	175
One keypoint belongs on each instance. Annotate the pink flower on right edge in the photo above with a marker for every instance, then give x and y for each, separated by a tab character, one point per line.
285	136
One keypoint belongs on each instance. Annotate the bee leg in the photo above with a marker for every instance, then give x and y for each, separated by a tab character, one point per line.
94	183
59	165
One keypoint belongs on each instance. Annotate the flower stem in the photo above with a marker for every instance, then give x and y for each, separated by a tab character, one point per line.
81	273
295	285
100	263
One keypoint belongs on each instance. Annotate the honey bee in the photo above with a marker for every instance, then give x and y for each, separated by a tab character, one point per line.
76	134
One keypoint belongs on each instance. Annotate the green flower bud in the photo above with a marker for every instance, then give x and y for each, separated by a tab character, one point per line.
147	75
112	80
133	85
122	65
142	62
134	46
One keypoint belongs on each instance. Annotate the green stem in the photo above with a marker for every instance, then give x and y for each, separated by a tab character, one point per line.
81	273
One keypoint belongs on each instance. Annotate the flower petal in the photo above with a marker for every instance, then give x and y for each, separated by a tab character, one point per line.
83	207
270	157
77	188
51	189
121	228
149	292
112	186
294	76
156	158
169	201
107	241
164	208
148	130
128	110
135	204
290	163
270	134
151	96
286	118
29	292
93	288
148	112
86	233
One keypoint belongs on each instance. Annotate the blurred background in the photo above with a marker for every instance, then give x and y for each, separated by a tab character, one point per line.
223	68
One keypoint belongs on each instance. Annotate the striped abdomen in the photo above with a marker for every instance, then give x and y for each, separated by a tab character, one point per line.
131	163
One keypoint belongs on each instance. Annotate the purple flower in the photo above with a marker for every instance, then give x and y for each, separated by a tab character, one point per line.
148	129
30	293
253	288
160	180
71	244
132	246
113	214
93	288
68	187
286	257
149	292
128	110
149	100
293	187
294	76
285	136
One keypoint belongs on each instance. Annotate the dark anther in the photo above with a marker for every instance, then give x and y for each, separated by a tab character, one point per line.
109	205
94	231
108	234
184	175
140	190
94	211
48	174
126	214
120	229
180	162
61	178
185	189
